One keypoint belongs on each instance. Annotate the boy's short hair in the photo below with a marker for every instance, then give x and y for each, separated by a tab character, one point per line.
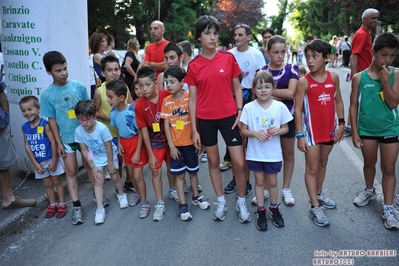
319	46
268	30
385	40
146	72
187	47
175	71
85	108
118	86
173	47
245	27
53	58
108	59
262	76
275	39
204	23
29	98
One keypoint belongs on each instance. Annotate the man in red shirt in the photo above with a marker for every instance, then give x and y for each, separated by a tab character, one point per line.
154	55
361	49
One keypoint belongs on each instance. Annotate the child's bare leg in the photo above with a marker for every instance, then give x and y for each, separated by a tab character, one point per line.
312	168
171	178
194	183
140	184
71	173
214	170
157	183
237	161
288	148
389	154
99	189
60	188
324	153
259	185
180	188
117	182
48	185
369	151
272	180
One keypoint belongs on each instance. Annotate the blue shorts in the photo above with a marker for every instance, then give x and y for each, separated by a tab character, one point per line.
188	161
267	167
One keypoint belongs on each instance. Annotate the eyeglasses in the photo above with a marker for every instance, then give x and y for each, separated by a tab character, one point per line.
82	119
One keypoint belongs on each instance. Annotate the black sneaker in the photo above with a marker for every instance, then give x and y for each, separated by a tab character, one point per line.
129	186
231	187
275	215
261	221
248	189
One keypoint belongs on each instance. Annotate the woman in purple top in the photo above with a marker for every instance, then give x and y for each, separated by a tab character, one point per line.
286	78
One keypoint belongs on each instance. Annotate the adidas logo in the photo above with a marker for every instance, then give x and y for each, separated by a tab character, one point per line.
221	71
234	140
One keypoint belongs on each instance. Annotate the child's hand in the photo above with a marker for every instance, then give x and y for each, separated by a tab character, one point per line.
302	145
198	151
120	150
196	140
153	162
52	166
339	135
136	157
97	173
174	153
111	169
356	140
39	168
60	151
273	130
262	136
384	74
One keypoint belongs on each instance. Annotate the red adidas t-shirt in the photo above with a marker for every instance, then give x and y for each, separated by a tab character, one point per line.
148	113
213	79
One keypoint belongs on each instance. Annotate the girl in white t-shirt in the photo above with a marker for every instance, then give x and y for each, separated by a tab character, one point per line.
262	122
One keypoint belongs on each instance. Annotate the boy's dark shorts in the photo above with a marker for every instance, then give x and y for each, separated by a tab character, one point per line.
386	139
188	161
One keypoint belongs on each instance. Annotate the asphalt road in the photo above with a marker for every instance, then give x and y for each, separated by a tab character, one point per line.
124	239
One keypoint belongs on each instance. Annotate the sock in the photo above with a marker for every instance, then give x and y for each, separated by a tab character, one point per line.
261	208
161	203
387	206
369	190
143	203
273	205
222	199
76	203
100	206
55	204
240	200
61	203
195	198
171	190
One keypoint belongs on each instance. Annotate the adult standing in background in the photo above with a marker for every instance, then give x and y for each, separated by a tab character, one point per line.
346	51
9	157
249	59
111	45
266	35
98	45
154	55
361	49
131	62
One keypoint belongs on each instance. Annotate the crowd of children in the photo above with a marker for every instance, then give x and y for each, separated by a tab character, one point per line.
165	119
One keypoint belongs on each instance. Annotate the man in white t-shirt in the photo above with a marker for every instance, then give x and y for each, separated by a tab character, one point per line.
249	59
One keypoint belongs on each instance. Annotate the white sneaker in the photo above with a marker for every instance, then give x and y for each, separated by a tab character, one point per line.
122	199
243	214
159	211
173	195
287	197
204	157
202	203
107	176
220	213
266	195
100	216
390	219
